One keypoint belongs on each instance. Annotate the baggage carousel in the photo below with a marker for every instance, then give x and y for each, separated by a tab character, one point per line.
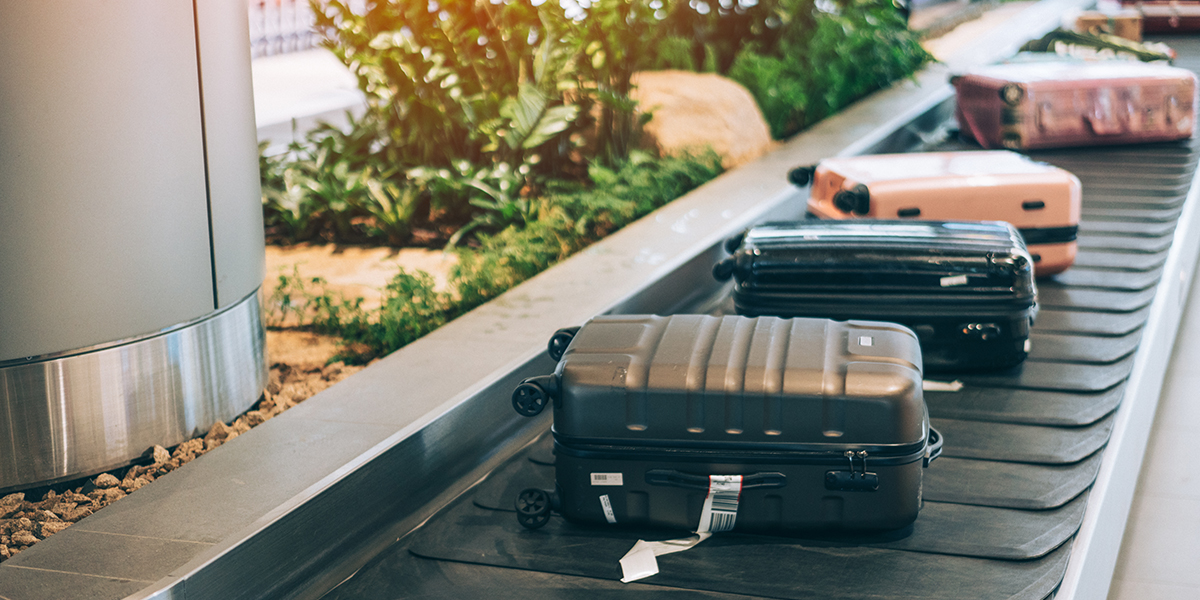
399	482
1021	485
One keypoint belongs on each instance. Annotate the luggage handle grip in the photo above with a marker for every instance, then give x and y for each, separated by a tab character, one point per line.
934	447
1105	126
701	482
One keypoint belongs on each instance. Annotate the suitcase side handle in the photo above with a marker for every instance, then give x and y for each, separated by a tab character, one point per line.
933	449
1104	123
701	482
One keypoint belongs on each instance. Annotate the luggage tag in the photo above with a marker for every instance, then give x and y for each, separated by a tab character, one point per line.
930	385
719	514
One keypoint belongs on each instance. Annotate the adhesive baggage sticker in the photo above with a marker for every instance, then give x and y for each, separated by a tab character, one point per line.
954	280
608	479
606	504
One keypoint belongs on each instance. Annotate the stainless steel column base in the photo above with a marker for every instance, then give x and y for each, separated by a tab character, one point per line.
95	409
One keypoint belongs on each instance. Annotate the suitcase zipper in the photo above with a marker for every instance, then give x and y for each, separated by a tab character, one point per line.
904	455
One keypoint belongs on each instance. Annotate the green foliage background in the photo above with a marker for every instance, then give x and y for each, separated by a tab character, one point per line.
506	129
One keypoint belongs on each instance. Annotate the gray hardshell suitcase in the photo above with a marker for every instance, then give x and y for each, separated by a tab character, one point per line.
822	424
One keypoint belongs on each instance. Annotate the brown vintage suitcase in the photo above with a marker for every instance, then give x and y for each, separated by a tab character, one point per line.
819	424
1061	104
1041	200
1167	16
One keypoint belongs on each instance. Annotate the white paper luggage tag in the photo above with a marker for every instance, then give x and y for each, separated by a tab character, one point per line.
720	507
930	385
719	514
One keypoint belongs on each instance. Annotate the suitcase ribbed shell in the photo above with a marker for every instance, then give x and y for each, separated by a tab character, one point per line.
703	380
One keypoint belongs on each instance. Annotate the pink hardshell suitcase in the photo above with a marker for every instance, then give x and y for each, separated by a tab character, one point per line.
1040	200
1060	104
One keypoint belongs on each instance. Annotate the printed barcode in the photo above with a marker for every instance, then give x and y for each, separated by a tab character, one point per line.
720	506
726	501
608	479
722	521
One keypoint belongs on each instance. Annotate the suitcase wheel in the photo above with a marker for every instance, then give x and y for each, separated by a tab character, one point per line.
723	270
1012	94
801	176
529	399
857	200
533	508
733	243
559	342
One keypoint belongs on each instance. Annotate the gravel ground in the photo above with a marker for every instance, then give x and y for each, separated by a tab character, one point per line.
298	371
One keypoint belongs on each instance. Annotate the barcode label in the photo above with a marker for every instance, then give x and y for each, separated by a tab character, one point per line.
725	501
723	521
608	479
721	505
606	504
954	280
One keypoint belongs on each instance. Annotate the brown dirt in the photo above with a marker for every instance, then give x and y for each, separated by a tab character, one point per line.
352	270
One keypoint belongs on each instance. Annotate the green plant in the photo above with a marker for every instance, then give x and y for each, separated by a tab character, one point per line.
495	190
392	209
713	32
289	212
449	80
826	56
571	217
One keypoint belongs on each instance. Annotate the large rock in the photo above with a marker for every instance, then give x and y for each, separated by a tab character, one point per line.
694	110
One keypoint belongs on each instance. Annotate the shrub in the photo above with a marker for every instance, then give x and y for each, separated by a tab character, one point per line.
479	119
569	219
817	66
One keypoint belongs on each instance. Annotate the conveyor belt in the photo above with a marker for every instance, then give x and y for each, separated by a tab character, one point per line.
1022	448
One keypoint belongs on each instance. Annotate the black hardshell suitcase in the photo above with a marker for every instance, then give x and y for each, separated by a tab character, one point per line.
822	423
965	288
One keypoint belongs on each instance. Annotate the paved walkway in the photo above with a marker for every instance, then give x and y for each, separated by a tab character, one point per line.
293	92
1160	554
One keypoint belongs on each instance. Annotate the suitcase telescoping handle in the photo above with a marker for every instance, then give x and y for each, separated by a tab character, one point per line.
933	448
677	479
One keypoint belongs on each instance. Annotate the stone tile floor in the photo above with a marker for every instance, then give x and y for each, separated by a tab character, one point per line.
1160	554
